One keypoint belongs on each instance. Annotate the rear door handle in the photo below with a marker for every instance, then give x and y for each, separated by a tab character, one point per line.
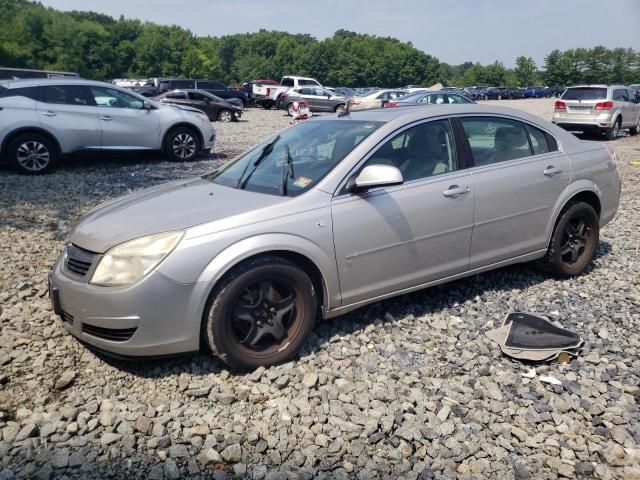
550	171
455	190
49	113
106	118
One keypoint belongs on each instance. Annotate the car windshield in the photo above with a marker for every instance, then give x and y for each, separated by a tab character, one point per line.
585	93
296	159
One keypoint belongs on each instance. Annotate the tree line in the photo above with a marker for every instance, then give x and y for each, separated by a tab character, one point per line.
101	47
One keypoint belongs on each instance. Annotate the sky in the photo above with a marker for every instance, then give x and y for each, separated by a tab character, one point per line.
454	31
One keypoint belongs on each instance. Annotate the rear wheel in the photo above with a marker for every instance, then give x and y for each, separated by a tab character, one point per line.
290	109
574	241
261	314
182	144
613	132
225	116
267	105
636	129
32	154
339	108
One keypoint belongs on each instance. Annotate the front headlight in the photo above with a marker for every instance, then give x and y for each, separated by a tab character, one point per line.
130	261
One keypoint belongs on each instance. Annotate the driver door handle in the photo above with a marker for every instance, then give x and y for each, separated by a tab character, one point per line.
550	171
49	113
454	191
106	118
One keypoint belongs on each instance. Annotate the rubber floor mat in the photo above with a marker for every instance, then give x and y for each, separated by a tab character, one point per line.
529	332
527	337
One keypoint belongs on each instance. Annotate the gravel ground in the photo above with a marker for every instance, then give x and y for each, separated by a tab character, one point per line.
406	388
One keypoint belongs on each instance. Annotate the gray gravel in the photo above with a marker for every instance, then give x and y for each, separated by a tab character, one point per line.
407	388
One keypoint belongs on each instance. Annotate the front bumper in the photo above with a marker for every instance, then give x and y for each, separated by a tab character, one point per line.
579	121
154	317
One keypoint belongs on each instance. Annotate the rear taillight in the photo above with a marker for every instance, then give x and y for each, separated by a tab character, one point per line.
608	105
560	105
391	104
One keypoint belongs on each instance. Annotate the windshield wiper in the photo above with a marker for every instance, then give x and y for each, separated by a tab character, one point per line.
286	172
241	184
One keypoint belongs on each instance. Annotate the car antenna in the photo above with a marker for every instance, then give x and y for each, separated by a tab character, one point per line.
345	111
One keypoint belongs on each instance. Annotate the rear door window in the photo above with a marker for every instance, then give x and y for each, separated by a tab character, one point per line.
63	94
29	92
176	95
494	139
538	140
585	93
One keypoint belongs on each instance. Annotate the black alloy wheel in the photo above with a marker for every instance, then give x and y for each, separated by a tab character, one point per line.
261	314
574	240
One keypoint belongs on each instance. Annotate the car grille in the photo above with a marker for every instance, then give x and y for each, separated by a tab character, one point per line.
66	317
79	260
113	334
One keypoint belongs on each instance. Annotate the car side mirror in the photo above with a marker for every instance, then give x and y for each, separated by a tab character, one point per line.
375	176
146	106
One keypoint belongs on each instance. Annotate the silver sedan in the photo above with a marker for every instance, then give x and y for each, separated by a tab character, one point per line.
327	216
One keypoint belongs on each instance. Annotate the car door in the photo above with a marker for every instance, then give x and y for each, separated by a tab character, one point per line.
204	103
518	175
124	122
393	238
68	113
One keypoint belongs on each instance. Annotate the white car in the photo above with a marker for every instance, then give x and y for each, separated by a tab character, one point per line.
375	99
44	119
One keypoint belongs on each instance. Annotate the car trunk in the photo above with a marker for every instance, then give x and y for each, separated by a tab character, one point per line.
584	100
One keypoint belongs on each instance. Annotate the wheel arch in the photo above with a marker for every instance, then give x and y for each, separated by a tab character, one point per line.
19	131
188	125
583	191
308	256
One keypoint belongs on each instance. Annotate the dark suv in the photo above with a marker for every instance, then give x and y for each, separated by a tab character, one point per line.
215	87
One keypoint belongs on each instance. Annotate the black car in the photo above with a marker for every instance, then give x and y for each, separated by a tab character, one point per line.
216	108
494	93
513	93
557	90
215	87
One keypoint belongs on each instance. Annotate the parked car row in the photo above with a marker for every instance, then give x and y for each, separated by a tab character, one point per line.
157	86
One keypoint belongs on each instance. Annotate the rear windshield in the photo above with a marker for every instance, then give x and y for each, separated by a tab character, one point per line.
585	93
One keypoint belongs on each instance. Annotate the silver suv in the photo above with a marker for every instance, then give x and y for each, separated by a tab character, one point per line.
598	108
43	119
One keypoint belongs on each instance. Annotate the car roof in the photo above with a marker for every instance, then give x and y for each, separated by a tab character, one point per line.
598	85
415	113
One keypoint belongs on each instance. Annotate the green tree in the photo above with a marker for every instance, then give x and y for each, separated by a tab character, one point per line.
525	70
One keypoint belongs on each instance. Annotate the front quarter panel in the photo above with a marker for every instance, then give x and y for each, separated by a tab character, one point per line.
209	251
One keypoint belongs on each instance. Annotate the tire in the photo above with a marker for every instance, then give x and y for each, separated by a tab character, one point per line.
569	250
289	108
636	129
612	133
225	116
249	341
267	105
32	154
339	108
182	144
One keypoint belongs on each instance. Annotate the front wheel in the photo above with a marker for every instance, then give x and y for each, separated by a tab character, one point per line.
290	109
574	241
339	108
32	154
261	314
182	144
225	116
636	129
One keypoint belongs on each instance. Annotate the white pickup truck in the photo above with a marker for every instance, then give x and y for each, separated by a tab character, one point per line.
267	95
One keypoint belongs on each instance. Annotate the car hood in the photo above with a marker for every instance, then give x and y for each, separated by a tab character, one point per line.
172	206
